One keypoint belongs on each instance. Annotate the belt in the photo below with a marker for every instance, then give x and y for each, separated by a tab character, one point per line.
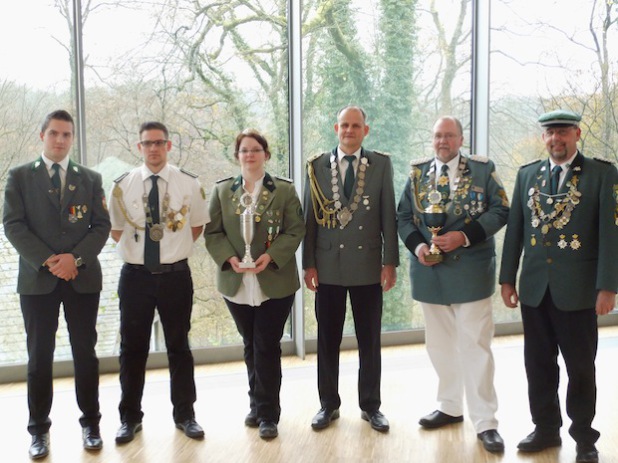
163	268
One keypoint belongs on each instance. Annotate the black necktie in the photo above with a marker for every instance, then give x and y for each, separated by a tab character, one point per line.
349	177
151	248
444	184
555	179
55	178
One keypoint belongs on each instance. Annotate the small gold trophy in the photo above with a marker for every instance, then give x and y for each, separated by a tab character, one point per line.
247	229
435	218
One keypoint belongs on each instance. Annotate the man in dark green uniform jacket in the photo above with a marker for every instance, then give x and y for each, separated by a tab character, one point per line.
564	217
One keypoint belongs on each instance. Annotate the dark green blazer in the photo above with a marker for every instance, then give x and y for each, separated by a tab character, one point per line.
467	274
573	262
279	229
353	255
38	225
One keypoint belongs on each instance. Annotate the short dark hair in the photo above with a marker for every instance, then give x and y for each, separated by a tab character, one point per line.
154	125
60	115
257	136
362	111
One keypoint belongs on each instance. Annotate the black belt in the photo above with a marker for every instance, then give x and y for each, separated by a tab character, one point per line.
163	268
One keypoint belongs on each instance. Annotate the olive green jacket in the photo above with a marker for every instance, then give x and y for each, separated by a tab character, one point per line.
279	229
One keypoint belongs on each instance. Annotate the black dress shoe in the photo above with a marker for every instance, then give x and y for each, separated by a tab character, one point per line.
39	448
537	441
268	430
91	437
126	432
438	419
323	418
251	419
377	420
587	453
191	428
491	441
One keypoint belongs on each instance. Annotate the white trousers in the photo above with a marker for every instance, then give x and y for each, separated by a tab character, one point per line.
458	339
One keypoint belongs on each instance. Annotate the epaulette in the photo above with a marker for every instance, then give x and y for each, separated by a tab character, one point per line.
419	161
382	154
529	163
478	158
190	174
224	179
119	179
315	156
285	179
600	159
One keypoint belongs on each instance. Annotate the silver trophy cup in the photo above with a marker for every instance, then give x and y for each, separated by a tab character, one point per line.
247	229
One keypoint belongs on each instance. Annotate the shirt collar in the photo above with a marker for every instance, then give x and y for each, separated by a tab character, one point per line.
341	154
565	165
452	164
163	173
49	163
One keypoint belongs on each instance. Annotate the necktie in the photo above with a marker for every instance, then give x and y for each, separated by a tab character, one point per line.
555	179
55	178
444	184
151	248
349	177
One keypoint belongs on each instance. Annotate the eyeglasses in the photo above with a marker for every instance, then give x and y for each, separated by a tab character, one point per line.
446	136
561	132
157	143
253	151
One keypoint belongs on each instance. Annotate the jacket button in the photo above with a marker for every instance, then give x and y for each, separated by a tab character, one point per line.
549	260
360	247
341	246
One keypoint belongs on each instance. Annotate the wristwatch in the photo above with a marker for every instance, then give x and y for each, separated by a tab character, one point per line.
78	261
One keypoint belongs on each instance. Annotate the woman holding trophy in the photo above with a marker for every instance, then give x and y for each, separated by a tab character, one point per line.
256	226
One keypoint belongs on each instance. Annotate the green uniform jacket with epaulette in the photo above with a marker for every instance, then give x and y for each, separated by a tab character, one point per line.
479	208
579	257
279	230
38	224
353	255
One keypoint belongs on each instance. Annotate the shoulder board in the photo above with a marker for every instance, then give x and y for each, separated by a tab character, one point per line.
600	159
419	161
382	154
190	174
315	156
119	179
529	163
478	158
225	179
285	179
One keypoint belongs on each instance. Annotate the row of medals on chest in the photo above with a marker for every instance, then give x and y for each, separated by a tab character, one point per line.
344	214
462	185
562	206
174	220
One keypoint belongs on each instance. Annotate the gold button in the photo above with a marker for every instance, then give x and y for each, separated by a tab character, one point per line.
549	260
547	243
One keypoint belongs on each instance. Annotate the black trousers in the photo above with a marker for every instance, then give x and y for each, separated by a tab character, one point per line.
40	314
261	329
548	330
330	309
171	294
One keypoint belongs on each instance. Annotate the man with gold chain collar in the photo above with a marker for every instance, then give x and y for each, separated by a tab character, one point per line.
350	248
455	293
157	212
569	276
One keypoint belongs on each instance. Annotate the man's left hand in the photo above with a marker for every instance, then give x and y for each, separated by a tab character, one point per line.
450	241
388	277
63	266
606	301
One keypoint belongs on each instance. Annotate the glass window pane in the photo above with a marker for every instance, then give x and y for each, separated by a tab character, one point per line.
406	62
549	55
207	73
35	79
